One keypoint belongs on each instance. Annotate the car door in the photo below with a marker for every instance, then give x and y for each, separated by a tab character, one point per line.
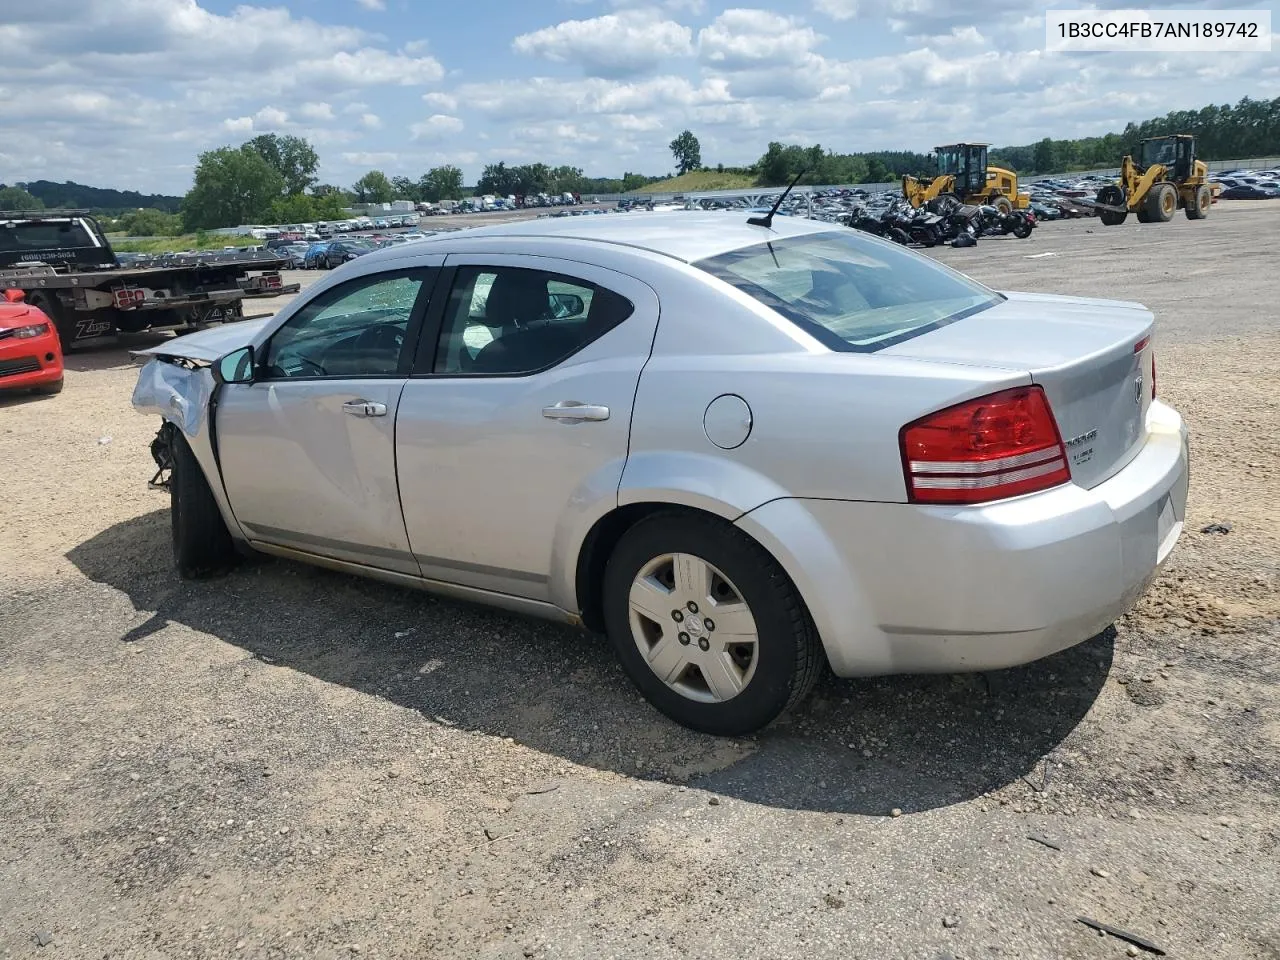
515	423
307	450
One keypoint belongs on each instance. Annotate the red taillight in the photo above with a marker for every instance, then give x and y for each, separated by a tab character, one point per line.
1153	374
994	447
126	299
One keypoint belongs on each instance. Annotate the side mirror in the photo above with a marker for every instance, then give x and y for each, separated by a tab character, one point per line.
565	305
14	296
234	367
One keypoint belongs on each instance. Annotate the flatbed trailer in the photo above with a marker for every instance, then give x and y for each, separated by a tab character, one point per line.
64	264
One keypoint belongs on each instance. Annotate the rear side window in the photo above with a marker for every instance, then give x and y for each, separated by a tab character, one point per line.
849	291
509	321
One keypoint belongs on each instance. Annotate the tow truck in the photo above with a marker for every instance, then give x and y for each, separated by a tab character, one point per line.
63	263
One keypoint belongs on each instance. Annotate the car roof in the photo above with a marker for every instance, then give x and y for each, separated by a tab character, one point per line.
684	235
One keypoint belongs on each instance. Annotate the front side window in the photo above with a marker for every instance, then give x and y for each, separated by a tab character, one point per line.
357	329
850	291
511	321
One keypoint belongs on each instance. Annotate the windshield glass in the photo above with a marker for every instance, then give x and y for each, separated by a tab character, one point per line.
948	159
1159	151
850	291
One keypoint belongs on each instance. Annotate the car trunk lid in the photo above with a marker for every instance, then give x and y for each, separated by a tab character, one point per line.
1092	357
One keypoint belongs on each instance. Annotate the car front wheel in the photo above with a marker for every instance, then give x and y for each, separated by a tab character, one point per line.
707	624
202	546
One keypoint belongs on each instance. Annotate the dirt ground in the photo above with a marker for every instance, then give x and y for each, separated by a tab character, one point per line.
289	762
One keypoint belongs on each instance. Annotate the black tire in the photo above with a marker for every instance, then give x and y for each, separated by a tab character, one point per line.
49	305
49	388
1112	196
202	547
1003	204
1023	230
898	235
1161	203
1142	214
788	658
1203	200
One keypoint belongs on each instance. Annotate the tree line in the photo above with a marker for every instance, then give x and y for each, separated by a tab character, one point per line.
272	178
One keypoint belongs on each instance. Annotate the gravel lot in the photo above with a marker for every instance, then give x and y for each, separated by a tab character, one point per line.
290	762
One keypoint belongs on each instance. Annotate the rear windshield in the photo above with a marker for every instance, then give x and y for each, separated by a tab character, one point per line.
21	235
850	291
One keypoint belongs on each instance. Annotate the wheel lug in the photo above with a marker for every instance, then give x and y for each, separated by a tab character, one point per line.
677	616
684	639
709	623
693	607
704	644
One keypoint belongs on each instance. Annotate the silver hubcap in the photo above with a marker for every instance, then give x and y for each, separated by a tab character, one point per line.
693	628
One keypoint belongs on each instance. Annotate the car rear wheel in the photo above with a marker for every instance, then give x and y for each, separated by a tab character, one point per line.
707	624
202	547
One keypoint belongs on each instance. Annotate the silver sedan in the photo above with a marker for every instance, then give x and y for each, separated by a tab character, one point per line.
742	452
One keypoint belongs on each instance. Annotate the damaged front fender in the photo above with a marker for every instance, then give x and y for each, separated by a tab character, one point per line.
181	393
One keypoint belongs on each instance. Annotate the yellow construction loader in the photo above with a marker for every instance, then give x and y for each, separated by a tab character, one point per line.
1165	176
963	171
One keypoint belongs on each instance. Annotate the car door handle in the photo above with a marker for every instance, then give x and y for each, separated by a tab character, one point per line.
365	408
573	411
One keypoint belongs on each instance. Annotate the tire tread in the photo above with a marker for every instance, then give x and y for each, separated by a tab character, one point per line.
202	546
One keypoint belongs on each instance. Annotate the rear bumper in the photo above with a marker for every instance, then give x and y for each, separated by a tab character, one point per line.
903	588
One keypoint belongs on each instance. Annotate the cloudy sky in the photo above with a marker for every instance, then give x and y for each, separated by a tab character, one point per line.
126	93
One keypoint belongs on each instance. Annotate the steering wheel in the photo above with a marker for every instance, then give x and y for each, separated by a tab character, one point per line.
381	339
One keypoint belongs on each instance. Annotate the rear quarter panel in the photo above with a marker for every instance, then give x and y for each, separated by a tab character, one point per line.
824	424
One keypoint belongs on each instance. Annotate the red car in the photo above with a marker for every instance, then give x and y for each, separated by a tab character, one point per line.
30	352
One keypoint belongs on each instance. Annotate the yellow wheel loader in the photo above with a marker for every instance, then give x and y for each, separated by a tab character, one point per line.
1165	176
963	171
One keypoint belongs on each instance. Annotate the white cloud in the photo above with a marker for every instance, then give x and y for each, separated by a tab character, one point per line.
445	101
370	121
435	126
838	9
750	39
616	44
316	111
372	158
269	118
373	4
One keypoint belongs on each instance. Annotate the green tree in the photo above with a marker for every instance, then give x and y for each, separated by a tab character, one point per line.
633	181
441	183
295	208
150	223
291	157
373	187
1044	157
330	206
233	186
404	189
15	198
687	151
